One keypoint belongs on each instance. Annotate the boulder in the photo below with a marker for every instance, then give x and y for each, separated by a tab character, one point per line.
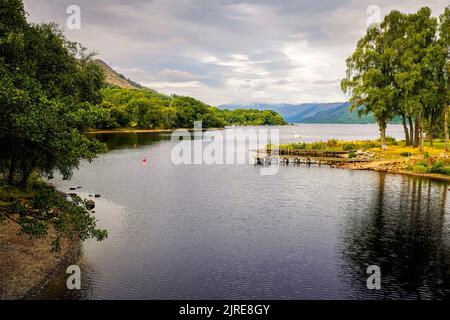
90	204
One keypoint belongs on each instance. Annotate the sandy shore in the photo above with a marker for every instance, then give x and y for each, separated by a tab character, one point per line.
27	265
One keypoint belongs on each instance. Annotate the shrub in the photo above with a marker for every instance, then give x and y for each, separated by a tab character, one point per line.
420	168
389	140
319	145
369	144
405	154
439	167
348	146
48	208
299	146
332	143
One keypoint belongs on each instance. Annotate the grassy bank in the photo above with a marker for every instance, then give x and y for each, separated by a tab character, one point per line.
433	162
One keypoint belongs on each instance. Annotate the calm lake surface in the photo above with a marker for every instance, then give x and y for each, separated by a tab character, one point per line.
228	232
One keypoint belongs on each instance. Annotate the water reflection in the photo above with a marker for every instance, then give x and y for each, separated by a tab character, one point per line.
130	140
226	232
57	289
404	230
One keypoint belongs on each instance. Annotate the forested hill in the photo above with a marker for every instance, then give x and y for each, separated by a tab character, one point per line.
127	104
297	113
311	112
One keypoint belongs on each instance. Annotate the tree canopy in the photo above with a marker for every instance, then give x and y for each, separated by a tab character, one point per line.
145	108
400	69
49	91
48	94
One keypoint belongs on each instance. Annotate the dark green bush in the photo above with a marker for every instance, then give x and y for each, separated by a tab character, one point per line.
405	154
439	168
352	154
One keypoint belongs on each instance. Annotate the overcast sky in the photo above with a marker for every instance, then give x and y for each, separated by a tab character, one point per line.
227	51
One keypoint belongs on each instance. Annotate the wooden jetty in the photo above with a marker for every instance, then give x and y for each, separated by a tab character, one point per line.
299	156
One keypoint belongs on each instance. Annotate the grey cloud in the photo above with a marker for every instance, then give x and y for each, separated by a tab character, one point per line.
226	50
172	75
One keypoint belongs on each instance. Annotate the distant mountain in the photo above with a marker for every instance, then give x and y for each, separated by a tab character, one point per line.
310	112
339	114
115	78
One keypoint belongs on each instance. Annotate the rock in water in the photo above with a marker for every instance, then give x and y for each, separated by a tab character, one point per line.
90	204
97	195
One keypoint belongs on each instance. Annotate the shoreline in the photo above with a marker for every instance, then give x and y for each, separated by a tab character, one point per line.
433	162
390	166
130	130
28	265
72	256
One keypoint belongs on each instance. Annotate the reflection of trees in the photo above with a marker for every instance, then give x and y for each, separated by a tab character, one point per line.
116	141
403	230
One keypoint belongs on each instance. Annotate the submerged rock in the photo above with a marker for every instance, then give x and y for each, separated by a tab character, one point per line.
97	195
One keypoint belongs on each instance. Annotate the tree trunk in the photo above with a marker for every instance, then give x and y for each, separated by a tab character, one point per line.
411	131
416	132
11	175
383	136
24	179
446	128
405	129
431	133
12	171
421	136
430	138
